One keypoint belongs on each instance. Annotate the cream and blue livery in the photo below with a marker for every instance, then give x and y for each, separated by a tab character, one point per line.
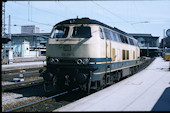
89	54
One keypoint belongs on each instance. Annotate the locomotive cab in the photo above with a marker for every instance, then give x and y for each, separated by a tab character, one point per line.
69	51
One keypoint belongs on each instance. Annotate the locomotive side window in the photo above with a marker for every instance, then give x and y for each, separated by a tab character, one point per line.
118	37
131	41
107	34
101	34
81	32
135	43
113	36
128	40
123	39
61	32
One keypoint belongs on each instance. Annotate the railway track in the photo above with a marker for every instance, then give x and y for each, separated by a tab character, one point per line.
7	71
29	106
22	85
9	75
31	77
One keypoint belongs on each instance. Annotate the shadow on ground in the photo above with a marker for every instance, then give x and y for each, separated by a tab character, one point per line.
163	103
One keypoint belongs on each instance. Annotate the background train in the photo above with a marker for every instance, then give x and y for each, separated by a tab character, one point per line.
165	47
88	54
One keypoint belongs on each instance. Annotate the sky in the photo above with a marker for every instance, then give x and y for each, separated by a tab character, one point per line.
132	16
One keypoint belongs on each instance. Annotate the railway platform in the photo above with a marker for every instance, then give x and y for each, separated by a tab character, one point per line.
147	90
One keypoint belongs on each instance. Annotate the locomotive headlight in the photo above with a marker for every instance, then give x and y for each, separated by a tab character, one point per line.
85	61
56	60
79	61
51	60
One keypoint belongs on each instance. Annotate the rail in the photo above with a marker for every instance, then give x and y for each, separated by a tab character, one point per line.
37	102
19	85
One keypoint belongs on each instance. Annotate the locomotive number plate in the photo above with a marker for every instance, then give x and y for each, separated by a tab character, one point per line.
67	48
67	54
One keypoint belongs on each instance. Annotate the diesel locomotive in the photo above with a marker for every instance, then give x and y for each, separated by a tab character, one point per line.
88	54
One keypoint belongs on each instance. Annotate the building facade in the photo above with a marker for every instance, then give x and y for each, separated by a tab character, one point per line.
148	44
37	42
30	29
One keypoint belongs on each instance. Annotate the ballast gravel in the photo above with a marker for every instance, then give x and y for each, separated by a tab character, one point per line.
12	100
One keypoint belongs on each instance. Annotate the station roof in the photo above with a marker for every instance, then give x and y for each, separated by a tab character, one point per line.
143	35
46	35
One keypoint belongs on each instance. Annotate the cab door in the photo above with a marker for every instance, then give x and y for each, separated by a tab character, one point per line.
108	51
105	35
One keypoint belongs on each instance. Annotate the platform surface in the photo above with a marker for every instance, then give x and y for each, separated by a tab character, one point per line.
148	90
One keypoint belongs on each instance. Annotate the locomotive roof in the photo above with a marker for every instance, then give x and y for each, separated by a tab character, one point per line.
90	21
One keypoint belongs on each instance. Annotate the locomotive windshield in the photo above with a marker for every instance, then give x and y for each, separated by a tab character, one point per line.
81	32
61	32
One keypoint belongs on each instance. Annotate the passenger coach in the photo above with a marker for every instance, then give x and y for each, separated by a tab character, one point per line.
89	54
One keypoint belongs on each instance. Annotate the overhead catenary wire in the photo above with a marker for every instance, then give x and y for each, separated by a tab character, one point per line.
114	14
33	21
110	12
28	19
42	10
65	7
